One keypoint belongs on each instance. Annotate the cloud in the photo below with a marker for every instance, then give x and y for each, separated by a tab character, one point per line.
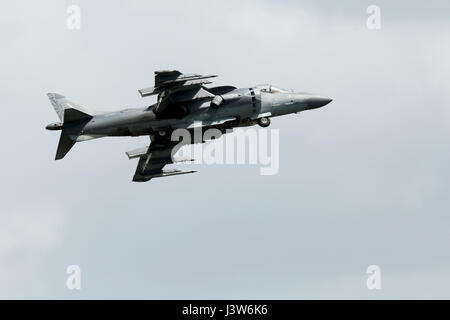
28	234
361	181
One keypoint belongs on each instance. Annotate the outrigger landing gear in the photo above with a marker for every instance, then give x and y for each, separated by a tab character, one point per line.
264	122
162	133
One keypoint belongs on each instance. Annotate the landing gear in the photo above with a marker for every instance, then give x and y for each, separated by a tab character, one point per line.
264	122
162	137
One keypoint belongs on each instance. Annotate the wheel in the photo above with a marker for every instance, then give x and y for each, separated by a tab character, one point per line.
264	122
162	136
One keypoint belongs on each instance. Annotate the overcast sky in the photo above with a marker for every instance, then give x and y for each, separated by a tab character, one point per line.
363	181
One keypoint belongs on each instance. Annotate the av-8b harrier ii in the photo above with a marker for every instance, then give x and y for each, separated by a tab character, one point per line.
183	102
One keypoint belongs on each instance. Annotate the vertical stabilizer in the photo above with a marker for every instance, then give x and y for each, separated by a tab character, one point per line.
70	113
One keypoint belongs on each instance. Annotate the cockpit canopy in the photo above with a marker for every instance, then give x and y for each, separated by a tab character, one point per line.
272	89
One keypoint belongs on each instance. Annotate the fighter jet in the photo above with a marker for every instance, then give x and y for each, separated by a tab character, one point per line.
183	101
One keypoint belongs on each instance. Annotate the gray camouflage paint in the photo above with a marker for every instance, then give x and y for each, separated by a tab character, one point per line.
232	108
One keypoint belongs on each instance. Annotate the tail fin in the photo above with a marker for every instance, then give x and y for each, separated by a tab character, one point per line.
68	112
67	109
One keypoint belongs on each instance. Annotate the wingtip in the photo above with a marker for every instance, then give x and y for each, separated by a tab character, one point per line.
53	95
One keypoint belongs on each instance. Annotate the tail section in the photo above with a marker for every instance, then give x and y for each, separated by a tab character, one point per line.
67	109
69	112
64	145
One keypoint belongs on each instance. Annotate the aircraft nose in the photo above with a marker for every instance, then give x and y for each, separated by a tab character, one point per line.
317	102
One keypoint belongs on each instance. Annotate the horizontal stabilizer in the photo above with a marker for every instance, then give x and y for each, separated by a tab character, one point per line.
65	144
71	115
68	111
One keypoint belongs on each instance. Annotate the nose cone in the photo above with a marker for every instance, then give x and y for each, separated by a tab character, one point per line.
314	102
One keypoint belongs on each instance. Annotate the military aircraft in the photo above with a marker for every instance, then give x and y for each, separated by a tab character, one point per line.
183	101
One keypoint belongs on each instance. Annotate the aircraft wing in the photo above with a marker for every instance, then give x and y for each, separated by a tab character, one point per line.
175	88
174	80
153	158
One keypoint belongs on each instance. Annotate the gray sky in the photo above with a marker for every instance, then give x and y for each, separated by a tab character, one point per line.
362	181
